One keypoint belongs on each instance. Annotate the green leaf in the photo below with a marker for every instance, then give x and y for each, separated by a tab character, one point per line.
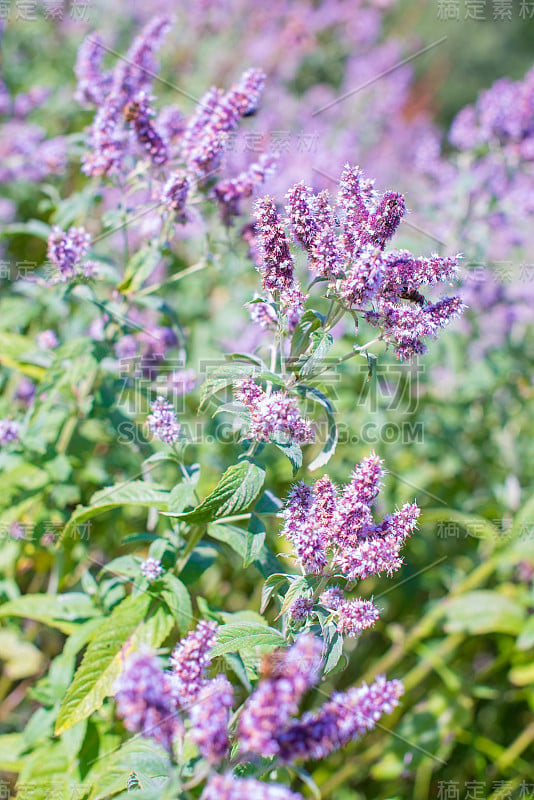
271	585
330	444
309	322
139	268
242	636
138	493
483	611
321	344
177	598
237	489
122	631
293	452
58	611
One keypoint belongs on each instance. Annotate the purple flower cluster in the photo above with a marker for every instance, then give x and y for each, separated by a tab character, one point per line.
175	193
345	244
206	134
144	700
344	718
189	661
231	191
210	717
9	431
228	787
162	421
277	697
66	254
47	340
109	139
274	416
139	113
332	529
151	569
182	381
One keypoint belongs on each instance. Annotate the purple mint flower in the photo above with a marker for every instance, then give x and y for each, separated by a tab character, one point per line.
195	128
126	347
366	479
228	787
151	568
25	391
210	717
144	700
351	200
385	219
364	277
175	193
139	113
405	272
292	305
326	253
230	192
308	539
182	381
263	314
66	251
344	718
301	609
332	598
189	661
354	616
301	218
108	139
380	552
162	422
276	264
275	416
277	696
170	123
47	340
93	84
9	432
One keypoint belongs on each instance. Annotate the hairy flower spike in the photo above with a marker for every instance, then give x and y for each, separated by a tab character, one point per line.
144	700
354	616
273	416
308	538
276	263
300	215
385	219
210	716
66	251
93	84
189	661
162	421
175	193
344	718
139	113
230	192
277	697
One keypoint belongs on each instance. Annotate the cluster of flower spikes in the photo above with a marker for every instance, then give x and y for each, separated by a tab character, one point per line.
345	244
275	416
162	421
191	150
333	530
158	704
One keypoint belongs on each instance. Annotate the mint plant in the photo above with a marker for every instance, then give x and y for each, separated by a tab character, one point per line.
221	703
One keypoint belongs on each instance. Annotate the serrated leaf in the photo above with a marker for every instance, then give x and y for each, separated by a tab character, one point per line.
244	636
321	344
237	489
103	662
138	493
57	611
293	452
